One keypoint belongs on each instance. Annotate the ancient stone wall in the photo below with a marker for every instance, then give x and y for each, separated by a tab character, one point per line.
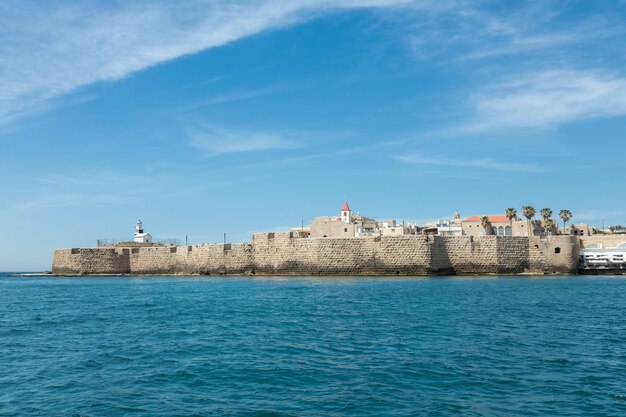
285	253
91	261
603	241
554	253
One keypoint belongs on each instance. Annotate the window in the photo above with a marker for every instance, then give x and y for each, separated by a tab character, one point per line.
557	250
345	229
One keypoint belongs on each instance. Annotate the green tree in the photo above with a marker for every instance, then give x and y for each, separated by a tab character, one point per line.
529	212
484	221
548	225
566	216
546	213
511	214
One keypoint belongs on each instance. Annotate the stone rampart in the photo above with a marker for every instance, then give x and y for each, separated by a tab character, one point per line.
91	261
286	254
603	241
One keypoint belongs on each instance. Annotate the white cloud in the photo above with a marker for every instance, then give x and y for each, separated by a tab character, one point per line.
469	162
595	215
534	66
96	179
216	141
50	199
547	99
526	45
48	49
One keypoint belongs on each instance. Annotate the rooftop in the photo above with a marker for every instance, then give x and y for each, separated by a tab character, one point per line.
492	219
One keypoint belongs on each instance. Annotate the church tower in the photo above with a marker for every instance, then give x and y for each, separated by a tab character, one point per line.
346	213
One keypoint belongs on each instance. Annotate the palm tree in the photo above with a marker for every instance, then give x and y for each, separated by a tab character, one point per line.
566	216
548	225
529	212
484	221
510	214
546	213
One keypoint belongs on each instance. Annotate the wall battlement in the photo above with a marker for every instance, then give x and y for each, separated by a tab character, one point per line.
284	254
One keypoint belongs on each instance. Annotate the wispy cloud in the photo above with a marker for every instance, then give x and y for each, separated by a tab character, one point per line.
547	99
51	199
469	162
535	66
525	45
470	31
52	48
596	215
215	141
100	178
232	97
88	188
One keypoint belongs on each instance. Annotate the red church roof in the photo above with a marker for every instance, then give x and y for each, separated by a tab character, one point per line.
346	207
492	219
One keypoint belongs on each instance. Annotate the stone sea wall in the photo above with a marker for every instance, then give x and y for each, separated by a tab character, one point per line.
284	254
603	241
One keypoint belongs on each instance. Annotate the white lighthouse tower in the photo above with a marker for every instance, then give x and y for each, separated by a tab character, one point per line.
140	235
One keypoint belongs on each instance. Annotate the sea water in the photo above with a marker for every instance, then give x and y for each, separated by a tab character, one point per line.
193	346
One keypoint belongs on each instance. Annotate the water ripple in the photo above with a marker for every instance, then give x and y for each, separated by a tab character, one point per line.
190	346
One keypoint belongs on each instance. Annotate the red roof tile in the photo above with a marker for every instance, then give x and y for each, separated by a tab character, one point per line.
346	207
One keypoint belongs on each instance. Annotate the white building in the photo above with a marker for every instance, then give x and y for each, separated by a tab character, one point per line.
596	256
140	235
447	227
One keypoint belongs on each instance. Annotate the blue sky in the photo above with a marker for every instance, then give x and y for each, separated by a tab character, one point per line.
207	117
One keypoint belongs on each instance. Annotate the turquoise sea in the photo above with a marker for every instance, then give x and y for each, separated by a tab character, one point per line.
196	346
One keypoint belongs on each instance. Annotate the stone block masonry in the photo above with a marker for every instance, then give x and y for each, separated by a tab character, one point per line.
285	254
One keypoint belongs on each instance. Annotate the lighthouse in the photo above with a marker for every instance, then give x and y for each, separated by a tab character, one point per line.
140	235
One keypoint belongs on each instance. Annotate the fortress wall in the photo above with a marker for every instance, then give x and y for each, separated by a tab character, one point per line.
605	241
537	261
79	261
513	254
507	254
554	254
466	254
479	255
197	259
404	255
150	260
222	259
329	255
282	253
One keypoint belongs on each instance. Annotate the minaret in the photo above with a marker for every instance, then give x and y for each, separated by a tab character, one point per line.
346	213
